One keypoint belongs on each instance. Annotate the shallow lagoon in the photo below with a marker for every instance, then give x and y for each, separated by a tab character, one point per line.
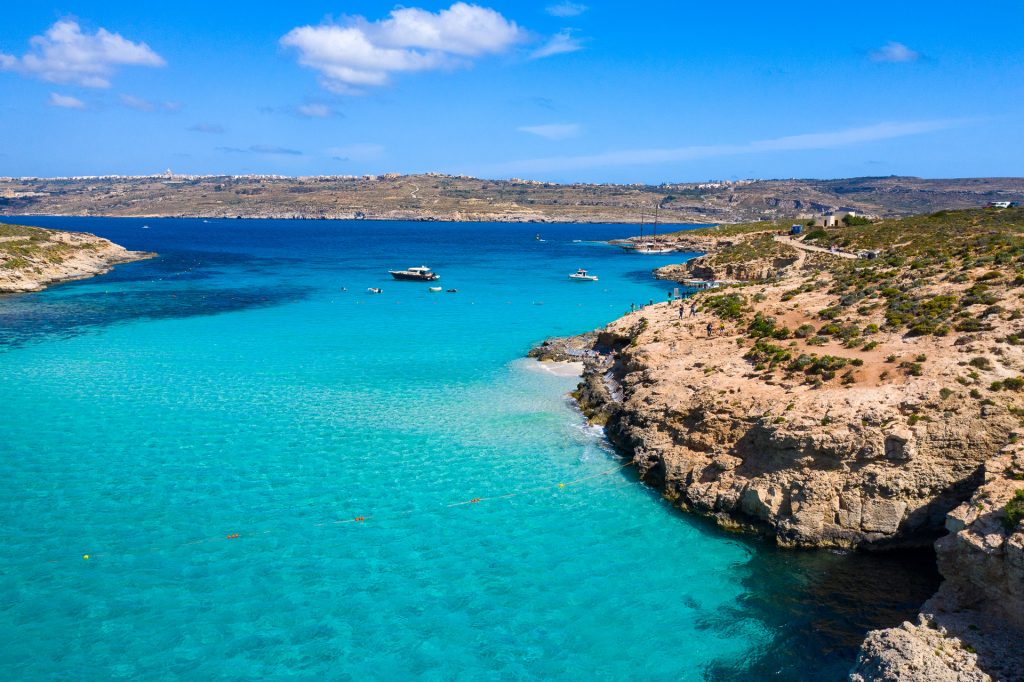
232	387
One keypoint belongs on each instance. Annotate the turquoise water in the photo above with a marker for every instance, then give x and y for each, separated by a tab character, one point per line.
232	387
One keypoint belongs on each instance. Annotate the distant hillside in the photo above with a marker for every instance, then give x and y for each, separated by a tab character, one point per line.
444	197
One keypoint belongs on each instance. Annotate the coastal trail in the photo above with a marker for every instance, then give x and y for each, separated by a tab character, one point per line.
816	249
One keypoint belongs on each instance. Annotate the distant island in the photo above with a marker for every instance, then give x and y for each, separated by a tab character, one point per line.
32	258
434	196
859	386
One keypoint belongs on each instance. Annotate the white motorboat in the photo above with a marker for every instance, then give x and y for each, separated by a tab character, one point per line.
418	274
434	290
374	290
582	275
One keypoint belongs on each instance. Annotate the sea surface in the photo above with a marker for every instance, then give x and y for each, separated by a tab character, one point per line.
209	426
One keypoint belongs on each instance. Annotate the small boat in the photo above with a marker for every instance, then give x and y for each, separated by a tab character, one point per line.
419	274
434	290
145	227
453	291
582	275
374	290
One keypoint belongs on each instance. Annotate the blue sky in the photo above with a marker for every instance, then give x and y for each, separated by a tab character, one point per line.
563	91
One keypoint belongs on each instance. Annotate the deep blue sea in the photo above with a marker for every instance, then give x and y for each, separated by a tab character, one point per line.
233	387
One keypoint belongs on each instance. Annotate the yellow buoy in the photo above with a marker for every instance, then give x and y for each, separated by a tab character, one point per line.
85	556
561	485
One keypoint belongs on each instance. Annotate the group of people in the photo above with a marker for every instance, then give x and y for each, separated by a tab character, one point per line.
682	313
693	313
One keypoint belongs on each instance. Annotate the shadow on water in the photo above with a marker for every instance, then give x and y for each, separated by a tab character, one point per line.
25	320
162	288
818	605
195	266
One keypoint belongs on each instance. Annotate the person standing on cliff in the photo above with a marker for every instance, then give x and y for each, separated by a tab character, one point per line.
693	309
711	329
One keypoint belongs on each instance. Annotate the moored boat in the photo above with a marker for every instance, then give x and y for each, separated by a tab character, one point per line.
374	290
417	274
434	290
582	275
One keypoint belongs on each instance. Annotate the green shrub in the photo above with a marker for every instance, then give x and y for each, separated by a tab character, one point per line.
803	331
767	354
726	306
972	325
1014	511
914	369
1013	383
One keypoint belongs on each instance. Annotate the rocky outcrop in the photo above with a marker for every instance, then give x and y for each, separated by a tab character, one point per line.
916	652
32	258
705	267
832	466
815	403
973	627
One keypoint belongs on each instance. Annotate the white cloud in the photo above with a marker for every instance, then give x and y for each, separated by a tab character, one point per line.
209	128
65	101
314	110
566	9
261	149
361	53
64	54
553	131
137	103
560	43
894	52
357	152
809	141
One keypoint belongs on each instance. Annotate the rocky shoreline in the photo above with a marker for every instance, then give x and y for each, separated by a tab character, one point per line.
848	432
33	258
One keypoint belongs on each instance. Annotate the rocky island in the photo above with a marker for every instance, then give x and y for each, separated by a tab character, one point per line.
856	387
32	258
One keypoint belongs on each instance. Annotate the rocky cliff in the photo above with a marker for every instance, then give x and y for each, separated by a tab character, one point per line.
846	402
837	464
32	258
972	629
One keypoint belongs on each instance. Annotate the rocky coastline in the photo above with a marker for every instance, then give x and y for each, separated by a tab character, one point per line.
830	402
33	258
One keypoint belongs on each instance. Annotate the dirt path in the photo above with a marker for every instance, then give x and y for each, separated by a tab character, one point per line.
808	247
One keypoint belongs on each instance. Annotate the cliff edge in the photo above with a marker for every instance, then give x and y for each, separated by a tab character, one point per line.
855	387
973	627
